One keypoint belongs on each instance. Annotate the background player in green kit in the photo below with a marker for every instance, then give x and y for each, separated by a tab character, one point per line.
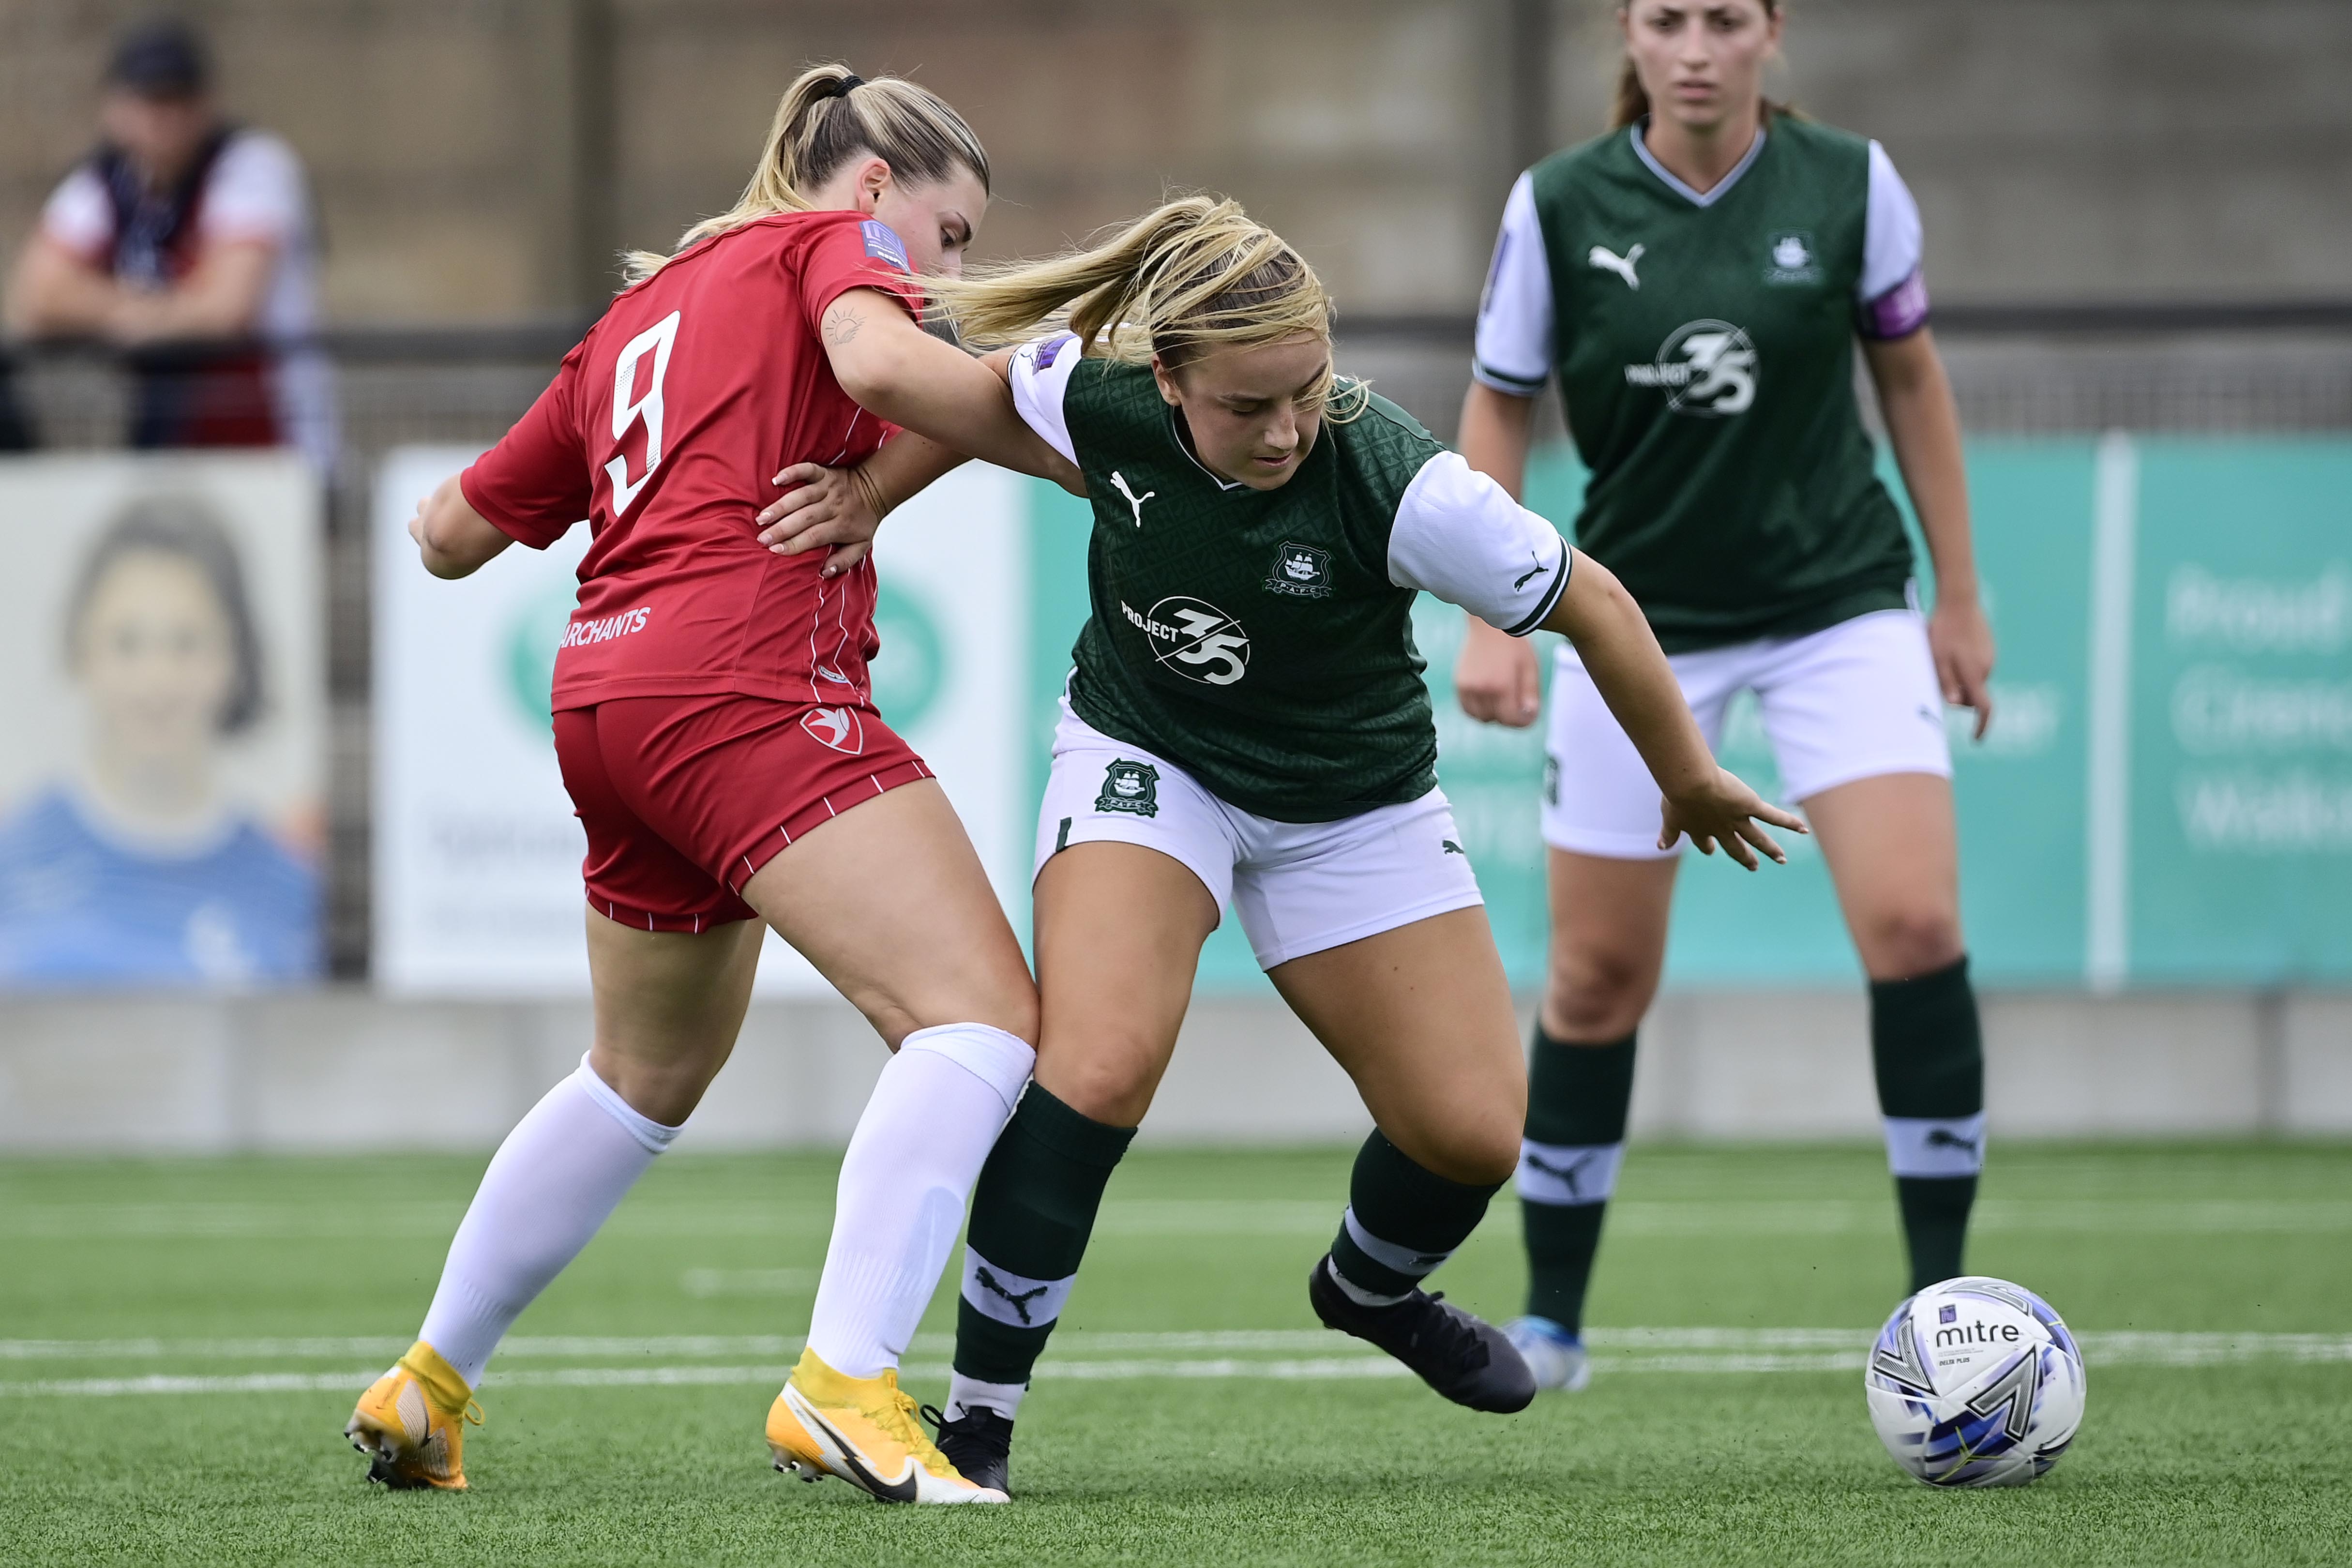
1697	280
1247	721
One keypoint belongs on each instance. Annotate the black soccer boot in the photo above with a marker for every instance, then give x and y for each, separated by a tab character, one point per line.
1463	1357
978	1443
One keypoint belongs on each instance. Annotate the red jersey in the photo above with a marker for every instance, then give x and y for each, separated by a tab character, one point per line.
663	429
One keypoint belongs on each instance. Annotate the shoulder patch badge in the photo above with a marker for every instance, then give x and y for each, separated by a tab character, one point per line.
1300	571
883	243
1050	349
1131	787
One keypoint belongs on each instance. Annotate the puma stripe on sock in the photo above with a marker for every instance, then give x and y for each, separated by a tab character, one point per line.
1403	1221
1578	1096
1032	1214
1927	1048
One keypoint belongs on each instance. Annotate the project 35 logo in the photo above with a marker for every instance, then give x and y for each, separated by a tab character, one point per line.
1193	639
1706	369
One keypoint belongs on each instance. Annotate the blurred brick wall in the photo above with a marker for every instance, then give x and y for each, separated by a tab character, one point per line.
2061	150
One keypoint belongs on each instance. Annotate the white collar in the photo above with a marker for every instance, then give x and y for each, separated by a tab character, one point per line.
1696	198
1176	434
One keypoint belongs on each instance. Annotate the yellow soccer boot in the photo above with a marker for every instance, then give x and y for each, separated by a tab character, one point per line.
862	1429
410	1423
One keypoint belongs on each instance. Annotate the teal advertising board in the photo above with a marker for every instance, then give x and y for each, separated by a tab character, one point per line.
2164	796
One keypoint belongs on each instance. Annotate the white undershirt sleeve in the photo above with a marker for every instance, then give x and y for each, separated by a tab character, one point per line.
1460	535
254	193
77	215
1514	313
1891	295
1040	375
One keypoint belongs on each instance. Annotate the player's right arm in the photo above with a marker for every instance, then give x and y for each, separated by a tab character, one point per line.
1494	676
451	538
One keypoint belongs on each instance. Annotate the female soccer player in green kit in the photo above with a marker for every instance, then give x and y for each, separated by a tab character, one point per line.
1695	280
1247	721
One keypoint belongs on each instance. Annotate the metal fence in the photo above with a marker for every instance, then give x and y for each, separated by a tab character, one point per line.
2033	371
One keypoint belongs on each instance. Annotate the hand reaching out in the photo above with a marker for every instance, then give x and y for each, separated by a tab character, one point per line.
1723	810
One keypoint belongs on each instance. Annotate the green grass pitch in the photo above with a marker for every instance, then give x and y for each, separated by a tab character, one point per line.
180	1344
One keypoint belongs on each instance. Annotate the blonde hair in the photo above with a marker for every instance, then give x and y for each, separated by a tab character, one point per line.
1195	276
827	116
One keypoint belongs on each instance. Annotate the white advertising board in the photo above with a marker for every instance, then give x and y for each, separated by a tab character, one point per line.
477	868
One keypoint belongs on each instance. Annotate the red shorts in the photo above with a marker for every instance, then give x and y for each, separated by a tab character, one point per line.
684	798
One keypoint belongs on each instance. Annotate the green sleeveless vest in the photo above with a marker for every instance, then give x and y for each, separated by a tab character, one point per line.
1251	637
1709	381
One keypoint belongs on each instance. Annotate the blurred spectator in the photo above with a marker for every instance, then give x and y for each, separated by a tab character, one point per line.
183	239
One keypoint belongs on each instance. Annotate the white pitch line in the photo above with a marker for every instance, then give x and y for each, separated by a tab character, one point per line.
1156	1218
1669	1351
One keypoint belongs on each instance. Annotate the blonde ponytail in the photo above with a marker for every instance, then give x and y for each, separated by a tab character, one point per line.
827	118
1193	277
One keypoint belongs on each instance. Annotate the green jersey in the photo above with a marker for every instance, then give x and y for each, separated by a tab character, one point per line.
1704	348
1262	640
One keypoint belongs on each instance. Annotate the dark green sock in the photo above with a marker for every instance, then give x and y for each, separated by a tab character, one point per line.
1576	1098
1927	1048
1403	1221
1032	1212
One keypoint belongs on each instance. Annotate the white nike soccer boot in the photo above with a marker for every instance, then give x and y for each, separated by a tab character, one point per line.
1556	1356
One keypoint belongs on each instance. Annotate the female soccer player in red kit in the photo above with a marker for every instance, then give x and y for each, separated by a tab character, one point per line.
715	725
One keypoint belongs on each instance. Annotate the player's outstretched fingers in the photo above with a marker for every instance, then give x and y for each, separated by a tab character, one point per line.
1754	835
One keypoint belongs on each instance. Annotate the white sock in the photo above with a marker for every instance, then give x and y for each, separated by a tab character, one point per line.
549	1188
964	1393
934	1116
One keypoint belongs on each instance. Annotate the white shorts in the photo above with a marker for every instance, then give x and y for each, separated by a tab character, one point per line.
1850	702
1299	887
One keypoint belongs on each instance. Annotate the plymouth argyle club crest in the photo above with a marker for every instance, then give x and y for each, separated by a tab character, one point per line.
1132	787
1300	571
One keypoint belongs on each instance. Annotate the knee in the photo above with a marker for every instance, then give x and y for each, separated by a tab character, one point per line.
1008	1002
1594	993
1479	1153
1112	1082
1908	941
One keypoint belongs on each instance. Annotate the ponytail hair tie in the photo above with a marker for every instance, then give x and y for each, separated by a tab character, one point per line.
843	88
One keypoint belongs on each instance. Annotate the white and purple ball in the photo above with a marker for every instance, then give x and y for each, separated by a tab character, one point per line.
1975	1382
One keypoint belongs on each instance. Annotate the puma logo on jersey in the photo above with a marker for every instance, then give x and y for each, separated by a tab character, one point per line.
1525	577
1118	483
1447	847
1018	1302
1608	260
838	727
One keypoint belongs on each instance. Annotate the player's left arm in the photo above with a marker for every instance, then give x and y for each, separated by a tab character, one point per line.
1924	424
1703	799
844	508
1459	535
453	539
